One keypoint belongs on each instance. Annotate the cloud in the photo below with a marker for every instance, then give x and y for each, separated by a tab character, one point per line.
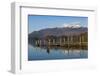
74	25
65	25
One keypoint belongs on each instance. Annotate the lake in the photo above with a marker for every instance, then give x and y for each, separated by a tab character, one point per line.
40	53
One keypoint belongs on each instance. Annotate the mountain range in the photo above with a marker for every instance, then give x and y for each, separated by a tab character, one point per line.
58	31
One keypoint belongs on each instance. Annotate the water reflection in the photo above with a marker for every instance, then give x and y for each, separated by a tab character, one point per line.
47	53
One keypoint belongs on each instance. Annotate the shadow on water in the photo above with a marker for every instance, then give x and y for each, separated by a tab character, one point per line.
48	50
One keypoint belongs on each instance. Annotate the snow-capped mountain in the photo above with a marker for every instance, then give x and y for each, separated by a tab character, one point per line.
72	25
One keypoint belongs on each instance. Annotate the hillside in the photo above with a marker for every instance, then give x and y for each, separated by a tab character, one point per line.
63	31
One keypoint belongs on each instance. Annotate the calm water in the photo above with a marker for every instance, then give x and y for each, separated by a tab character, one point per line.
37	53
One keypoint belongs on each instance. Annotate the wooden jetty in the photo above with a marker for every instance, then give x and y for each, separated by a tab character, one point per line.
67	41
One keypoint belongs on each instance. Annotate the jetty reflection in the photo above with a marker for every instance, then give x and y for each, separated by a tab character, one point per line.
56	52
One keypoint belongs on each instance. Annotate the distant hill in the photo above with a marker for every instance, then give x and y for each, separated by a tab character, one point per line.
61	31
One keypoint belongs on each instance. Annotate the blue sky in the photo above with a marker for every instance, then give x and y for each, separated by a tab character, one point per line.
38	22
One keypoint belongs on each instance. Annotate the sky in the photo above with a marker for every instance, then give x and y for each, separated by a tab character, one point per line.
38	22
